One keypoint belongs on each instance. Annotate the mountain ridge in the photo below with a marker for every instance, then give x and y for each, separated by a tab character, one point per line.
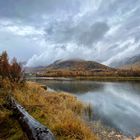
76	64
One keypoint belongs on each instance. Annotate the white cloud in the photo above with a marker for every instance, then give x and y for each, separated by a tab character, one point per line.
20	40
24	30
19	29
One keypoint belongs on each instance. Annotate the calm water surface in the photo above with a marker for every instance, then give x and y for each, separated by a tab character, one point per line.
116	104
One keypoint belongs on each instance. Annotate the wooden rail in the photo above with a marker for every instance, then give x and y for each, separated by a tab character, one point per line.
33	129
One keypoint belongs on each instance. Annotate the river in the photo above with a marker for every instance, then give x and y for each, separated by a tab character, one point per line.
116	104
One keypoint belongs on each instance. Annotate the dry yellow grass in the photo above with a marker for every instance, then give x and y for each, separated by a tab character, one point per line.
61	112
9	126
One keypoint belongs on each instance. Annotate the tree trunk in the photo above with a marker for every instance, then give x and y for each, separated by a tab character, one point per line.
33	129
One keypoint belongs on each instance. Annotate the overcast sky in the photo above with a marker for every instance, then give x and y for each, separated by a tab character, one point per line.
42	31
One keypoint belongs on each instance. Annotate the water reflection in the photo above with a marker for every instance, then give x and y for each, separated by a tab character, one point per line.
75	87
116	104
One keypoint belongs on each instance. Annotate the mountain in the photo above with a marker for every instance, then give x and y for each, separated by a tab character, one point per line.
77	64
80	68
74	68
133	59
132	63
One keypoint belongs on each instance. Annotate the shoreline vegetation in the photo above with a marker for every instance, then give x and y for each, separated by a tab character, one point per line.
106	79
113	74
84	78
61	112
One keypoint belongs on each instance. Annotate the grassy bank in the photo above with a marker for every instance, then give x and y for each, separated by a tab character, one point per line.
9	126
60	112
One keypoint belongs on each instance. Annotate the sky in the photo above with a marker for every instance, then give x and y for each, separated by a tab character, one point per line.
43	31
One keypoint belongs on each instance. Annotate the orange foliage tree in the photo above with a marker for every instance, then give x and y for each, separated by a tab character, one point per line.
12	71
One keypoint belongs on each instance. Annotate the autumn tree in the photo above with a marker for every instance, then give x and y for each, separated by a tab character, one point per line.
16	72
13	71
4	65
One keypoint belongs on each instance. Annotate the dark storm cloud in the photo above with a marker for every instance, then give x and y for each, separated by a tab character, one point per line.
93	34
33	10
82	34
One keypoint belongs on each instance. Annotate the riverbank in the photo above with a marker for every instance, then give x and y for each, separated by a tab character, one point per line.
106	133
63	103
111	79
61	112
